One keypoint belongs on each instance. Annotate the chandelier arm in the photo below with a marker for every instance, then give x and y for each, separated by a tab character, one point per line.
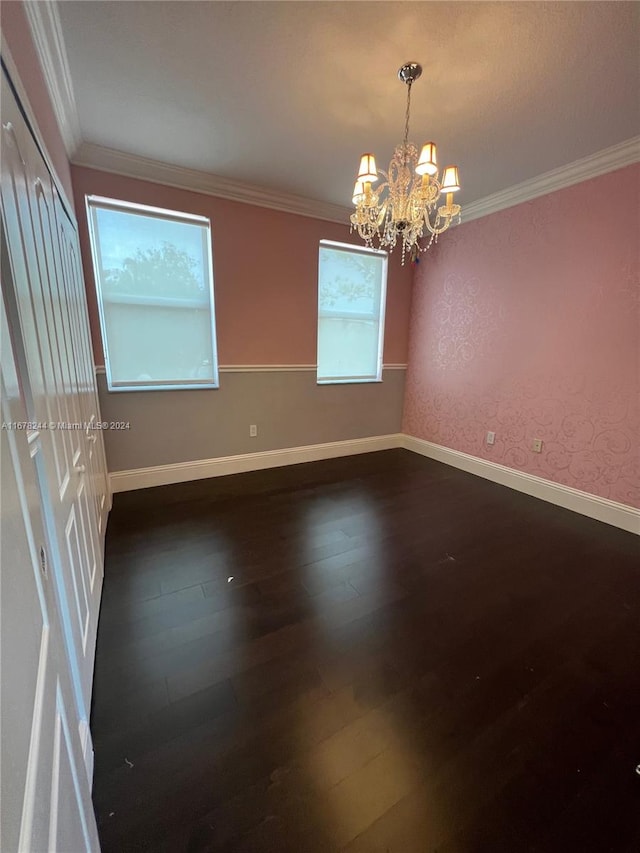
382	213
434	229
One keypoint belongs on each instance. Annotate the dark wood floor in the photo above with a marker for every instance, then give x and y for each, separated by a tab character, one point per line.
377	654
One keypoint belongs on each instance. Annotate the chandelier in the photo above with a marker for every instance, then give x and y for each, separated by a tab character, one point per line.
404	207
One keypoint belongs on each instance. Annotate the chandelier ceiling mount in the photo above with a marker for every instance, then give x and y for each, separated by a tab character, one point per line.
410	72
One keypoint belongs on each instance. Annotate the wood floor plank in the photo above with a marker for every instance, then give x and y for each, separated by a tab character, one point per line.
376	654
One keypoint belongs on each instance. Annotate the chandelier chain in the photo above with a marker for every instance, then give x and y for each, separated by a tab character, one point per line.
406	116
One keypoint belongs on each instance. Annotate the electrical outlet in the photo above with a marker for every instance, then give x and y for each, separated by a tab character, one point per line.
253	431
491	437
537	445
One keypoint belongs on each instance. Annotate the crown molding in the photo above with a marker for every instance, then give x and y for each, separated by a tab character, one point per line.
607	160
46	30
143	168
44	22
133	166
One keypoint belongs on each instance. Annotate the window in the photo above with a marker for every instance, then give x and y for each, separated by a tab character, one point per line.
352	283
154	277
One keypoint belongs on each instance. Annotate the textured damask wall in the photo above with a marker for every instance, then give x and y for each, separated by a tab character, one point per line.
527	322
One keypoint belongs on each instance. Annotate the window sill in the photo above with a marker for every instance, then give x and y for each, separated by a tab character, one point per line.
129	388
348	381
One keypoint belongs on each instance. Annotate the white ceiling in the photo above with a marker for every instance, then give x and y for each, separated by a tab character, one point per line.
287	95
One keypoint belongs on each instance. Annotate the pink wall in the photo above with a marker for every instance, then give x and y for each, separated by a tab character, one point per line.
527	322
265	266
15	29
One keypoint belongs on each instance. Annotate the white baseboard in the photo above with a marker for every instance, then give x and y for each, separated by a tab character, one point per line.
182	472
602	509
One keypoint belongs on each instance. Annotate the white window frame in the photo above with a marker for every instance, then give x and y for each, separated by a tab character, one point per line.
93	203
363	250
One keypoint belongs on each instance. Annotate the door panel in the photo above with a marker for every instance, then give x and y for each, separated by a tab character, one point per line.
81	596
46	296
67	818
55	501
46	804
83	361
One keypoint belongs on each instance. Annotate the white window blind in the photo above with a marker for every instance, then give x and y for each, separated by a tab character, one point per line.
154	277
352	284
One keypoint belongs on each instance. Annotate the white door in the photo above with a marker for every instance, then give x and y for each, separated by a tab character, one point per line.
51	341
46	801
83	359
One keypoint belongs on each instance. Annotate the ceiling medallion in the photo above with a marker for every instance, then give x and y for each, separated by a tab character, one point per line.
404	207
